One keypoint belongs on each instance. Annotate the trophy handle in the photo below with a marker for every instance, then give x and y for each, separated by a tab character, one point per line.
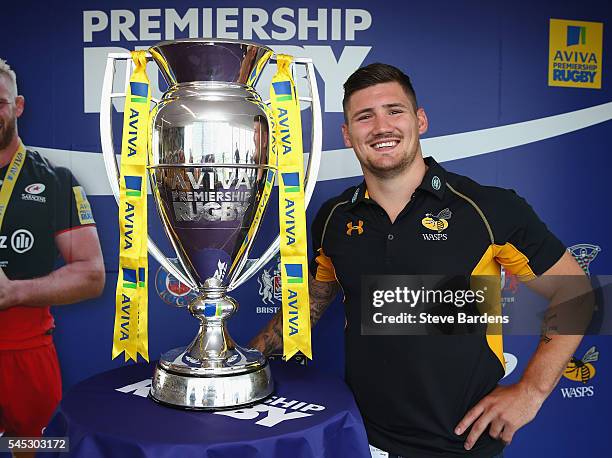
110	158
312	170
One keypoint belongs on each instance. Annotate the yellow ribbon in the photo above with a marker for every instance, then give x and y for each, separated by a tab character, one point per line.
131	306
287	145
10	179
254	76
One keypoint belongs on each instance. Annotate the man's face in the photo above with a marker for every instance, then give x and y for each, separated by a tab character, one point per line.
383	129
11	108
260	137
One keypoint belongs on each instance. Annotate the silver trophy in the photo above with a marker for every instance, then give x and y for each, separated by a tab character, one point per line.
208	166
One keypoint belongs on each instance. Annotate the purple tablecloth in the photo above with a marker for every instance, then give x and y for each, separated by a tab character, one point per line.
310	415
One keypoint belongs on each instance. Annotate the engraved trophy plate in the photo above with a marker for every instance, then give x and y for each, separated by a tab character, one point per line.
208	164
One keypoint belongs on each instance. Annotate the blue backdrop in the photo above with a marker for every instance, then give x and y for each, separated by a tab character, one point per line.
475	66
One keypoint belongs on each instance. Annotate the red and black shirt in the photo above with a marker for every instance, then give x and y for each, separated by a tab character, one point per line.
413	390
45	202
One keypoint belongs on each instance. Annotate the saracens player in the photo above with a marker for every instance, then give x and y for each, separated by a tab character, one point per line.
43	212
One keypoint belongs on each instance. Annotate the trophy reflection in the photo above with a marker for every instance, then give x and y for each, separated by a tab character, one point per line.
209	165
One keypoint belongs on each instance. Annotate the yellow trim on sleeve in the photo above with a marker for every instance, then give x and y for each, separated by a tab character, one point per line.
488	269
82	205
514	261
487	273
325	269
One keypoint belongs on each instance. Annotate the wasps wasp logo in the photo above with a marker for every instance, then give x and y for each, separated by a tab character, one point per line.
581	370
350	227
437	222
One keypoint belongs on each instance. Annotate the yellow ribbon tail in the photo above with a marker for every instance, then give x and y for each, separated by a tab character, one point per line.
287	146
130	333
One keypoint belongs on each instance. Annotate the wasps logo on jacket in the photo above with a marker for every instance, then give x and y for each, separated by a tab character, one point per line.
437	223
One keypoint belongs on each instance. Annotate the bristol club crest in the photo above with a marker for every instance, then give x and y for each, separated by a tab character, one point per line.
171	290
584	253
270	284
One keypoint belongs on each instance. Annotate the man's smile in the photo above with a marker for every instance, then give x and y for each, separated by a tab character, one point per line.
384	145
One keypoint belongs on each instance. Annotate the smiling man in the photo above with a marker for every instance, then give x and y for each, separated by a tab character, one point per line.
428	396
43	212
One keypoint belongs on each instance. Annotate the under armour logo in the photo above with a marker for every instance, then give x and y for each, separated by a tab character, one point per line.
350	227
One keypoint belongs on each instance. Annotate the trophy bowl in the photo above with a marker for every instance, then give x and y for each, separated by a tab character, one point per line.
209	164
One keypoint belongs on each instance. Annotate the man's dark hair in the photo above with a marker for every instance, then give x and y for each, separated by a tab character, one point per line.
373	74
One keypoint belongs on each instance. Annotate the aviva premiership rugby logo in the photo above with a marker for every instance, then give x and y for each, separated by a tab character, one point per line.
436	223
171	290
575	53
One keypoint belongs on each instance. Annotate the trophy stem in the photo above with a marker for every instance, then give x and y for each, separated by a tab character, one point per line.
213	372
213	344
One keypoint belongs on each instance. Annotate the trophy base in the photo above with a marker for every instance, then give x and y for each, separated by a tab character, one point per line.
211	385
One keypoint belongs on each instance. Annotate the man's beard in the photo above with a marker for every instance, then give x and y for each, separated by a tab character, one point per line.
390	170
7	132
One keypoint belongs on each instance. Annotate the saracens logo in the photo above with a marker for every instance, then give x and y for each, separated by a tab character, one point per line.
437	223
32	192
35	188
171	290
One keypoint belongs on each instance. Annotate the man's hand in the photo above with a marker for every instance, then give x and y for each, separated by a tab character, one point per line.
508	408
504	411
321	294
7	292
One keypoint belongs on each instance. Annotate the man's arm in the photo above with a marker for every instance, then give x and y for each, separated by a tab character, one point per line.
320	293
508	408
81	278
